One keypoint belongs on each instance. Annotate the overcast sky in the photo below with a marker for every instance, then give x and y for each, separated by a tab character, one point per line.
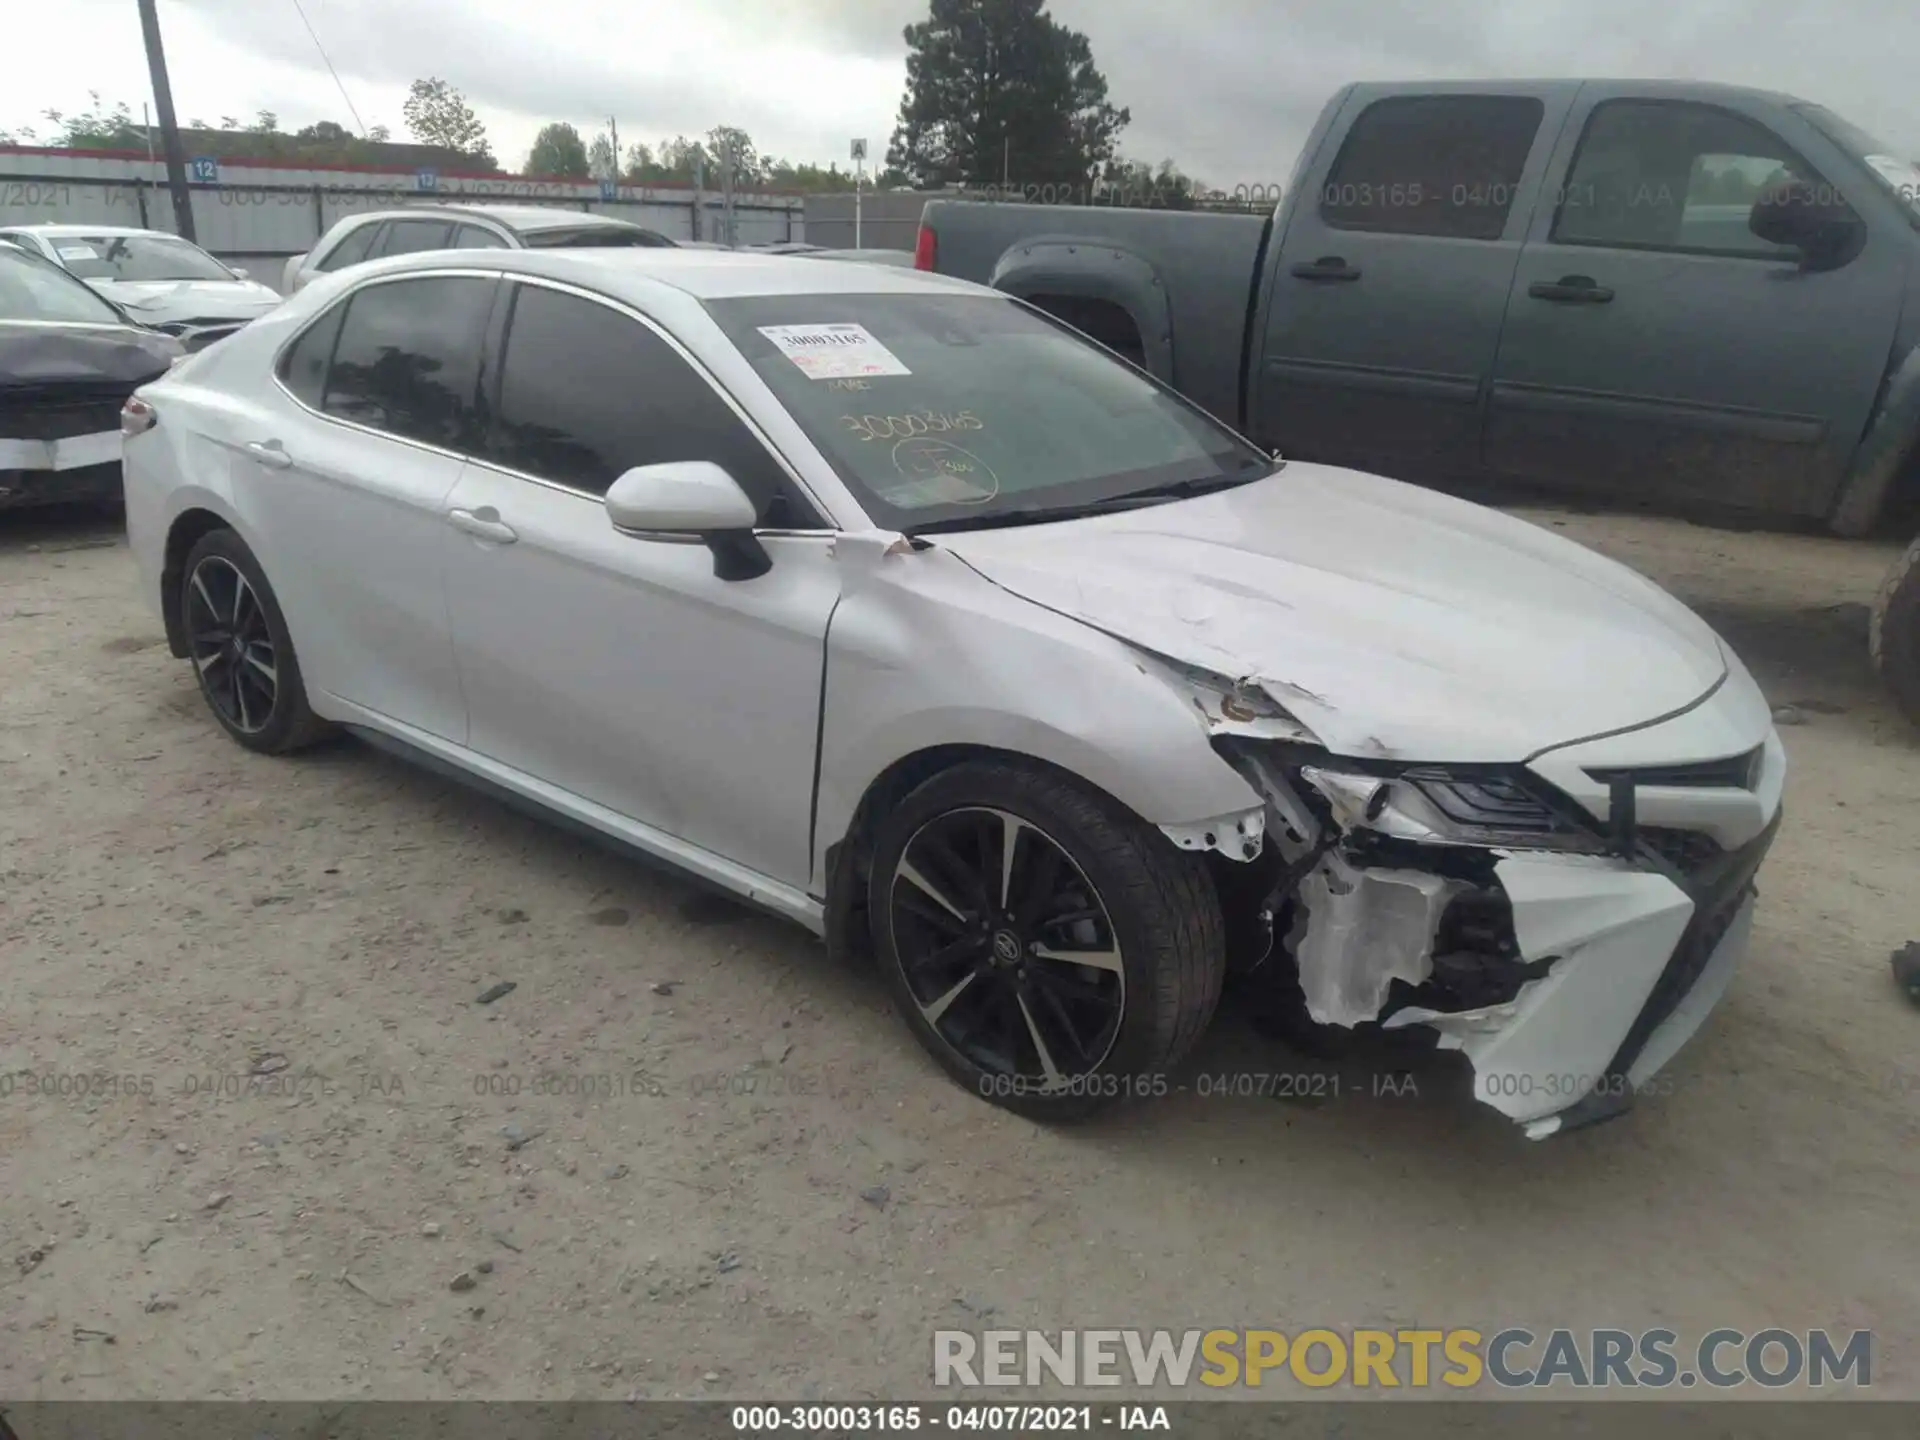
1226	88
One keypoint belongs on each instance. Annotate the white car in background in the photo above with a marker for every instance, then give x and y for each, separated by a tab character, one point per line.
160	280
890	604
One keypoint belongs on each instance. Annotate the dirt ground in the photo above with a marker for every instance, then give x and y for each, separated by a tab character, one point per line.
688	1156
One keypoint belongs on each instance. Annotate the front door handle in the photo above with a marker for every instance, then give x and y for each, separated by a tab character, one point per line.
270	453
485	524
1571	290
1327	267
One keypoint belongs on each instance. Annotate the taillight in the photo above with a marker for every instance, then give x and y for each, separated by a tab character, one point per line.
137	417
926	249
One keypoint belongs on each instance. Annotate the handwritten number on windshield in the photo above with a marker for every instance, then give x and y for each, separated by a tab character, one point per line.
908	427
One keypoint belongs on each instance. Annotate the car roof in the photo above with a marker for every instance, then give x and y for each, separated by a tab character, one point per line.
49	228
514	217
633	273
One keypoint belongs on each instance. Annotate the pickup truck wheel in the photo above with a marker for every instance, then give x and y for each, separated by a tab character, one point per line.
1051	950
1895	634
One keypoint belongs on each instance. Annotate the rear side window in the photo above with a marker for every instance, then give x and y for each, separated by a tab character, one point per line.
587	393
408	359
353	248
303	369
409	237
595	237
1446	165
472	237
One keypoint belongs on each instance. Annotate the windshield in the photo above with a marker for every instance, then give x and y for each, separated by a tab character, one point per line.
1899	177
593	237
940	410
136	257
34	289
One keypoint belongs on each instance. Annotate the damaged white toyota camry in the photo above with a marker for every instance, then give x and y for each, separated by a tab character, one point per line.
889	604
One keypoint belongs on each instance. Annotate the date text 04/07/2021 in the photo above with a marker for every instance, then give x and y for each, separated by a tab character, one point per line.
908	1416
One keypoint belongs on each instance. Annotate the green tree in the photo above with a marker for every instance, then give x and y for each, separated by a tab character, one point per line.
725	141
98	127
1141	185
438	114
998	87
559	150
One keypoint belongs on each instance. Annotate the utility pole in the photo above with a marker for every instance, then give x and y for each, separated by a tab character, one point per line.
613	130
726	192
169	127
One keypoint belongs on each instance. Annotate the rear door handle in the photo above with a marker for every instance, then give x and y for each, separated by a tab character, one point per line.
270	453
1571	290
1327	267
484	525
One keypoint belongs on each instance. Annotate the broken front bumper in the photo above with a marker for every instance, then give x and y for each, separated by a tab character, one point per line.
1569	959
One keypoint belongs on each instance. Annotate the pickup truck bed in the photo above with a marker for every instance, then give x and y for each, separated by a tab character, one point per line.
1047	253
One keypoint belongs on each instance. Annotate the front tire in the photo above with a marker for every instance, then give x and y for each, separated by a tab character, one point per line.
1053	952
1895	633
241	651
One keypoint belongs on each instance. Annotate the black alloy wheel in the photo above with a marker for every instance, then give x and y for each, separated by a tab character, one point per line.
231	647
1054	952
242	655
1007	948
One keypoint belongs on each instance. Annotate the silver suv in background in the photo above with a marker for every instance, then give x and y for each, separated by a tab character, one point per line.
376	234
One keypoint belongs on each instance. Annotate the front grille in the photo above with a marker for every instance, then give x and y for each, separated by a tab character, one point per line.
1688	851
1735	772
1717	888
60	416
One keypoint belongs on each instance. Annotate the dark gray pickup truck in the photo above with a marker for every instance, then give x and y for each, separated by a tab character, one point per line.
1692	297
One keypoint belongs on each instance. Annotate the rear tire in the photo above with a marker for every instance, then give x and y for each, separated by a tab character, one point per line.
241	650
1894	637
981	964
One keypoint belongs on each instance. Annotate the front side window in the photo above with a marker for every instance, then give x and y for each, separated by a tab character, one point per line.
1667	175
353	247
410	237
36	289
588	393
942	409
407	359
1446	165
136	257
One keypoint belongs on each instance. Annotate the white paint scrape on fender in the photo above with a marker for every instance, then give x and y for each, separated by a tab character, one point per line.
1366	929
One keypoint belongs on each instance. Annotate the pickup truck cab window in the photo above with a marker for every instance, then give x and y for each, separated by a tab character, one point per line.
1666	175
1432	165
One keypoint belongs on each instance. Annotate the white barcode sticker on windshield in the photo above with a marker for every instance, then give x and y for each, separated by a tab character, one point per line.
76	252
834	352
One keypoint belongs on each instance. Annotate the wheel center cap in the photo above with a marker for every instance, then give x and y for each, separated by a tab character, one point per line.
1006	948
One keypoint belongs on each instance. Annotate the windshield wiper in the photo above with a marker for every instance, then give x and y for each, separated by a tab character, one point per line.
1133	500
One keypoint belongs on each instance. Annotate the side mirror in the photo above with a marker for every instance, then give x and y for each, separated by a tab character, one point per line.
239	271
691	502
1815	220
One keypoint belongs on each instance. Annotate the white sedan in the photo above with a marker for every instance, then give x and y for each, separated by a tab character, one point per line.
160	280
889	604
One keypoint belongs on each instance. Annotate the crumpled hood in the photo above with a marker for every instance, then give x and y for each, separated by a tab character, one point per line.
1394	621
47	357
159	302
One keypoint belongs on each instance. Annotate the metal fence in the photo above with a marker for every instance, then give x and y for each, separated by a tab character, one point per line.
263	216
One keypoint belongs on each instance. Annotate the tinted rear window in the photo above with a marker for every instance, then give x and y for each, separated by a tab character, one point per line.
592	236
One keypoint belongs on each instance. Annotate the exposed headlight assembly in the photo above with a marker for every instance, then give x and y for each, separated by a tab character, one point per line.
1436	806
